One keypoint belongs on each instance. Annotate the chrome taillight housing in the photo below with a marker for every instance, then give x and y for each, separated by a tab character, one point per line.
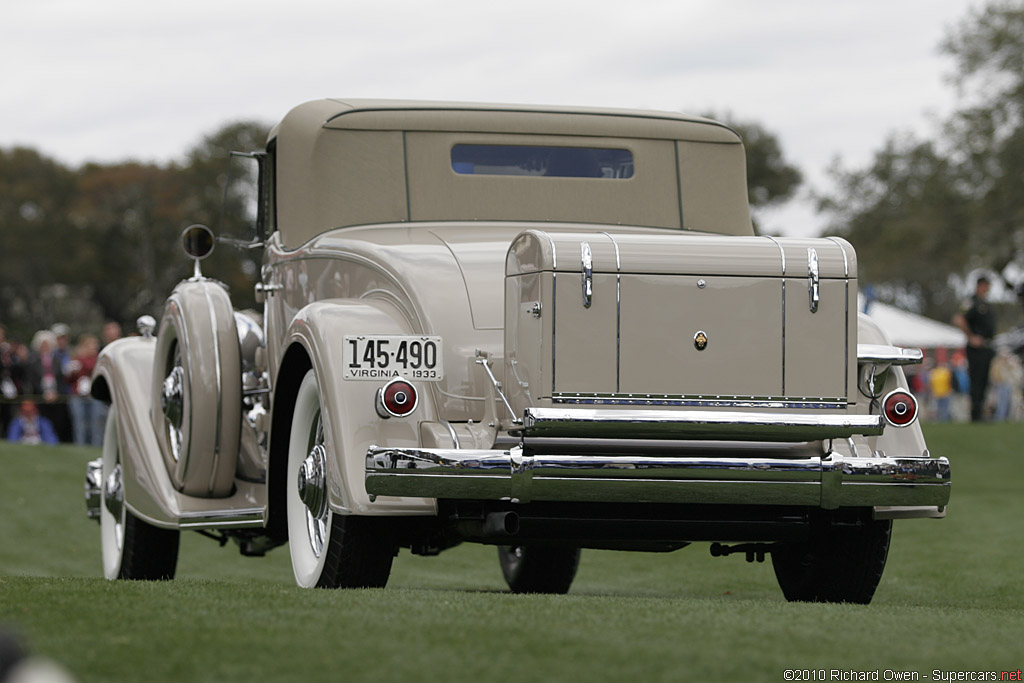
397	398
899	408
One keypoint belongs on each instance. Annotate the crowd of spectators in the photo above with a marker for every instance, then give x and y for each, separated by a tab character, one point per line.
943	386
44	386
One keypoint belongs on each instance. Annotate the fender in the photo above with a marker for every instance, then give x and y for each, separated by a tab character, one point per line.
123	377
906	441
351	423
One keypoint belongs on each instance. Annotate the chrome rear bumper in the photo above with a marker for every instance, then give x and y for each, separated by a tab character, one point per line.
596	423
829	481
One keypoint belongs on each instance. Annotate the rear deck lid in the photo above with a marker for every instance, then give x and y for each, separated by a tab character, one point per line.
681	318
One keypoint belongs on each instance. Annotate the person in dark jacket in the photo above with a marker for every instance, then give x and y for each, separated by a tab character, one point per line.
978	321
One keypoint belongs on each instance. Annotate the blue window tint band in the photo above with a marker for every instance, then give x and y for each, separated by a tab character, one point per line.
552	162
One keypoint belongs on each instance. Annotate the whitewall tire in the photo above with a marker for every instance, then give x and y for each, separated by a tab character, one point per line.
131	548
328	550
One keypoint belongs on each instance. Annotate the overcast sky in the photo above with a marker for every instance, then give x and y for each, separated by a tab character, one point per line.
109	80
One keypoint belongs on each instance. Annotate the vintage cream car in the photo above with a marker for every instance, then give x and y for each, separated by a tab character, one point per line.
540	328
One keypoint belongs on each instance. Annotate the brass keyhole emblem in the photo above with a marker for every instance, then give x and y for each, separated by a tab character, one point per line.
700	340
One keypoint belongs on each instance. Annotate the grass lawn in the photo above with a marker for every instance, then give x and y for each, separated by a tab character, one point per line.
951	600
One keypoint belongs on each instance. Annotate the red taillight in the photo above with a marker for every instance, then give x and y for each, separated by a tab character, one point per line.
899	408
397	398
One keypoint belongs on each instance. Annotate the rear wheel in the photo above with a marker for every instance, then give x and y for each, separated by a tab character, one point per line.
327	550
132	548
539	569
843	563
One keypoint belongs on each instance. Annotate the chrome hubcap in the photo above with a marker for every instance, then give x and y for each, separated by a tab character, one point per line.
312	486
94	488
313	481
172	402
113	500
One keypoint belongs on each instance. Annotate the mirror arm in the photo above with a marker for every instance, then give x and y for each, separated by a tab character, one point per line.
241	244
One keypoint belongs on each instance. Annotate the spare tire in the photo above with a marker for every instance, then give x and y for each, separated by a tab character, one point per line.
197	389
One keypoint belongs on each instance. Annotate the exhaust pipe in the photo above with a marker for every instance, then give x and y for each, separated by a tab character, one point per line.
501	524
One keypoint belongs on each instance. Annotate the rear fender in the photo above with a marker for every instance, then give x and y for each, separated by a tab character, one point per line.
896	441
351	422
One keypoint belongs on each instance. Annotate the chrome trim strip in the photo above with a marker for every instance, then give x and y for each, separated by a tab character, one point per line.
888	355
694	424
618	328
846	274
554	303
554	251
451	433
702	401
237	517
782	252
846	348
829	482
554	319
846	262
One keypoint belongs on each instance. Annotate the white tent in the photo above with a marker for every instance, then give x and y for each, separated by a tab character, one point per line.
909	329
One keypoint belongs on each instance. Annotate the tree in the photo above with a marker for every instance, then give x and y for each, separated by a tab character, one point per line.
923	210
129	217
36	237
986	137
904	213
109	234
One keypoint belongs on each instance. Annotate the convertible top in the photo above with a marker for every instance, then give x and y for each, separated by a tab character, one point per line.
342	163
379	114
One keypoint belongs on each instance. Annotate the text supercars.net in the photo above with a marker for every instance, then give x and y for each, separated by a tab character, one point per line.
898	675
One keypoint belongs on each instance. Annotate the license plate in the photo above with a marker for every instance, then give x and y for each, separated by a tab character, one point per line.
386	356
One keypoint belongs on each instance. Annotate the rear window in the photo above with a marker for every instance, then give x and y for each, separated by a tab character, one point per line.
555	162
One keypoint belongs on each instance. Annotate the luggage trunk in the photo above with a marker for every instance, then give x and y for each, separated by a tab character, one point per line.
680	319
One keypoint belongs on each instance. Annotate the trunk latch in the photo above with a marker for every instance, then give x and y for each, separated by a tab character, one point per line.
812	278
587	267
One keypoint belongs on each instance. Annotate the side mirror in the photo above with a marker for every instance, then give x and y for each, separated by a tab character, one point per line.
198	242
